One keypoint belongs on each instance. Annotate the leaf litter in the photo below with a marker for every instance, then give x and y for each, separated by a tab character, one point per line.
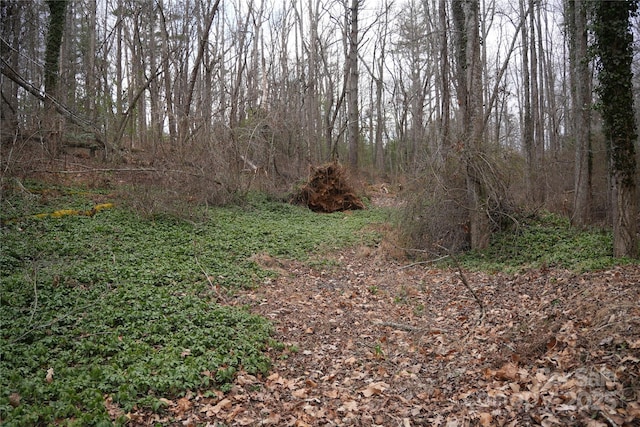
369	342
372	342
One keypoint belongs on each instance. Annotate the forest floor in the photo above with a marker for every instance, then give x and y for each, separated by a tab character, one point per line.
375	341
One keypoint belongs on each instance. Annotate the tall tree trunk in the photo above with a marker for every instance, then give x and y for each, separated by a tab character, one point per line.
536	105
55	30
91	86
469	76
581	114
614	48
527	120
119	59
352	94
10	47
312	102
377	86
444	81
183	126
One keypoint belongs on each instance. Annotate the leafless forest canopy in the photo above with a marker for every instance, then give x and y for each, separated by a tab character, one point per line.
475	101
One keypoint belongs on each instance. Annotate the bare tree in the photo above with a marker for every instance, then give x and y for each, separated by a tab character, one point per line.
10	43
353	78
379	59
55	30
470	98
580	76
445	110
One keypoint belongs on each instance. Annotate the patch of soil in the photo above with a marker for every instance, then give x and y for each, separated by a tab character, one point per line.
328	191
371	341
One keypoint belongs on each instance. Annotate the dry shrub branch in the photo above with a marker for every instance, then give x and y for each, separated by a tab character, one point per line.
435	219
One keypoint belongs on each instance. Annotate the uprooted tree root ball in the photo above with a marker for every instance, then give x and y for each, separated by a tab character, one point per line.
328	191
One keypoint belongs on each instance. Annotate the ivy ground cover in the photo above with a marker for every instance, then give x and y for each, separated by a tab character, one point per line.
119	309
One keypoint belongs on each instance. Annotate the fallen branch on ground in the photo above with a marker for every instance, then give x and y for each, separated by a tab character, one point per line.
466	283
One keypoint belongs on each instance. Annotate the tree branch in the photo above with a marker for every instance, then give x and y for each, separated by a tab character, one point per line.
62	109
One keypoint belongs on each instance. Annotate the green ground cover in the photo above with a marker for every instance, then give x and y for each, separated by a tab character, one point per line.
122	306
546	240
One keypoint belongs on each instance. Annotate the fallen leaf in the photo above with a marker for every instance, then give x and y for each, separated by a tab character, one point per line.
415	368
374	388
314	411
300	393
14	400
233	414
244	421
331	394
272	419
183	405
49	377
350	361
485	419
633	344
633	409
166	401
246	379
273	377
509	371
349	406
595	423
223	404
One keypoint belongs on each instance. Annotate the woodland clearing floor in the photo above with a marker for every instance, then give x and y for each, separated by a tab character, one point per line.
376	341
373	341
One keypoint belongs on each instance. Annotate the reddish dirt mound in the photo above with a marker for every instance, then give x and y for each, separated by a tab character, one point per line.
328	191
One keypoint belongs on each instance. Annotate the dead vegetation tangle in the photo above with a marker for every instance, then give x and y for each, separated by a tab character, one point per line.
328	190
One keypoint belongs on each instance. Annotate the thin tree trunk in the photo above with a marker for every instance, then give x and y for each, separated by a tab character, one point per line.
90	66
445	83
55	31
535	165
581	113
119	59
204	41
352	94
469	75
527	129
10	48
541	131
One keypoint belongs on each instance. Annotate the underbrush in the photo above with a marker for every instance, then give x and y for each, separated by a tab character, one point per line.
125	309
545	240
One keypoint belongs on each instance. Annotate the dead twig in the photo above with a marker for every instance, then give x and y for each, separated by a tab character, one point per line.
463	277
212	285
118	170
431	261
408	328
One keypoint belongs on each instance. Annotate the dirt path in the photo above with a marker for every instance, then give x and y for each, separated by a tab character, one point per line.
373	342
